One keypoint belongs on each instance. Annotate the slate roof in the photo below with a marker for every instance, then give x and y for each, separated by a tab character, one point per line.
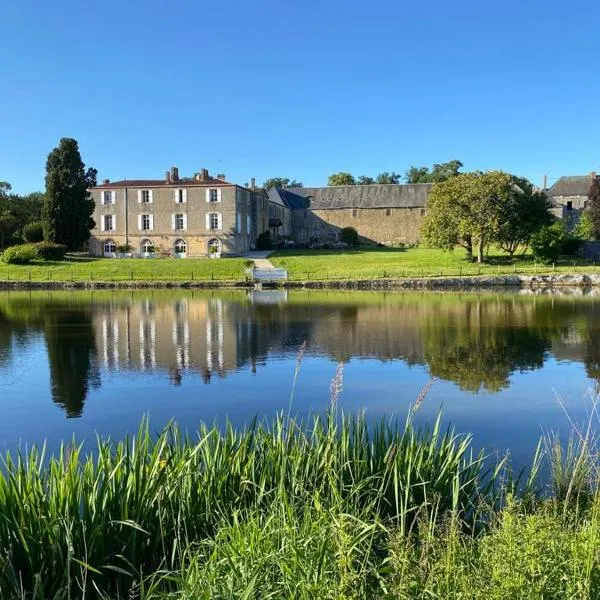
574	185
353	196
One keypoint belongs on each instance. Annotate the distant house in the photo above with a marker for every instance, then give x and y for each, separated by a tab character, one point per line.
381	213
569	197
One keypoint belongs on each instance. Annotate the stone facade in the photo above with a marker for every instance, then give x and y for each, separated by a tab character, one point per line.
569	197
205	216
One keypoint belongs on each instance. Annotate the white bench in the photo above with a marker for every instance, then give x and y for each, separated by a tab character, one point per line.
267	275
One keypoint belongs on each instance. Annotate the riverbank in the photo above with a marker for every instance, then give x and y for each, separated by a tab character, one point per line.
329	508
533	282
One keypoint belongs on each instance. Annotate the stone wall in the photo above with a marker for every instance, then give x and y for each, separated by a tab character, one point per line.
388	226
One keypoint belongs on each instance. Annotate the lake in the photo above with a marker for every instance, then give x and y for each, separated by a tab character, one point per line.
506	366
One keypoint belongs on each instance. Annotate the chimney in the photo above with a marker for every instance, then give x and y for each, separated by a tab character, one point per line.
246	185
220	176
545	186
174	174
252	183
168	176
203	175
106	181
593	175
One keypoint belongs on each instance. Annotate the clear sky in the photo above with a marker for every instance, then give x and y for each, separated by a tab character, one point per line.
299	88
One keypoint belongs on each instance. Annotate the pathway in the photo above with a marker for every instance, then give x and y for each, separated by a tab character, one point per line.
260	259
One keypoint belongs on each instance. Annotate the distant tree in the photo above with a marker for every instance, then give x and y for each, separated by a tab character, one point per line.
439	172
5	187
8	226
467	208
349	236
365	180
281	182
68	206
390	177
548	241
524	212
584	229
593	209
341	178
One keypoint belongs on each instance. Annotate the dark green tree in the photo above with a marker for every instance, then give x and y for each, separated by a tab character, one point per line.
593	209
349	236
365	180
439	172
68	206
281	182
389	177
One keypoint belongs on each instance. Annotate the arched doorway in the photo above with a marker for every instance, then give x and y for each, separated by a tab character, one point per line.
214	248
147	248
109	248
180	248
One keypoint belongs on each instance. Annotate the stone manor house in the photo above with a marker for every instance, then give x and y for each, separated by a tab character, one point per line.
209	216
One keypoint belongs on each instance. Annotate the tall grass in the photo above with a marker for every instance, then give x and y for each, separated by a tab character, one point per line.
328	507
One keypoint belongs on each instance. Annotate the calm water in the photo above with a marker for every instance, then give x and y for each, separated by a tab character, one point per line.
83	362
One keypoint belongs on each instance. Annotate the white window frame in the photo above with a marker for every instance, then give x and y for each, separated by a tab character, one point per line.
111	195
141	222
209	219
177	241
180	196
145	196
174	219
106	252
145	243
113	223
209	195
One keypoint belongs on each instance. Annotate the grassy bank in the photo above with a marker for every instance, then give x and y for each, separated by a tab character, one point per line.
108	269
378	263
329	508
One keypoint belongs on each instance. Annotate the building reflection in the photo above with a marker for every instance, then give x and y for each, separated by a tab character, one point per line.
475	341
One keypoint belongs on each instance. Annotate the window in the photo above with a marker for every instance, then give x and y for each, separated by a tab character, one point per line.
213	195
214	221
146	222
147	247
108	197
239	222
214	246
180	196
179	222
145	197
108	223
388	212
569	205
109	247
354	212
180	247
248	225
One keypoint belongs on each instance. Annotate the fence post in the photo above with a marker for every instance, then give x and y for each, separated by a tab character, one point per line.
131	274
29	274
192	275
212	275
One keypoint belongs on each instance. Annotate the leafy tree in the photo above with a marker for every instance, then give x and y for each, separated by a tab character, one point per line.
33	232
281	182
365	180
547	242
523	213
439	172
584	229
467	208
593	209
349	236
389	177
68	206
341	178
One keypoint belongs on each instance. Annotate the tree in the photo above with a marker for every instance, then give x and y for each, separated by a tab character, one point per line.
281	182
593	209
467	208
349	236
365	180
341	178
547	242
68	206
439	172
389	177
522	215
584	229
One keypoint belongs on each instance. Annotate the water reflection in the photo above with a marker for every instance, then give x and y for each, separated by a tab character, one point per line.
477	341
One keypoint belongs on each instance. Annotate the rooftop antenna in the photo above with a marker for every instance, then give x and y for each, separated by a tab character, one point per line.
219	165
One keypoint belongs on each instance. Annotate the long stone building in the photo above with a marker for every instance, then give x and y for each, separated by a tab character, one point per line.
209	216
569	197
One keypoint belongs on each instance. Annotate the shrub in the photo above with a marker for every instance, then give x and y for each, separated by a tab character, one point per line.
33	232
124	248
584	229
571	245
19	255
548	241
263	242
51	251
349	236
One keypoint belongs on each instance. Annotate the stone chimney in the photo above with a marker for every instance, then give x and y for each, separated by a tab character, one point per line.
105	181
168	176
202	175
252	183
174	174
593	175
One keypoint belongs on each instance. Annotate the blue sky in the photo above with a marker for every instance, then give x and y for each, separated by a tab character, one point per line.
299	89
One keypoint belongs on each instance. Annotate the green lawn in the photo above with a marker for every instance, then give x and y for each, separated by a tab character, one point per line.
136	269
376	263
